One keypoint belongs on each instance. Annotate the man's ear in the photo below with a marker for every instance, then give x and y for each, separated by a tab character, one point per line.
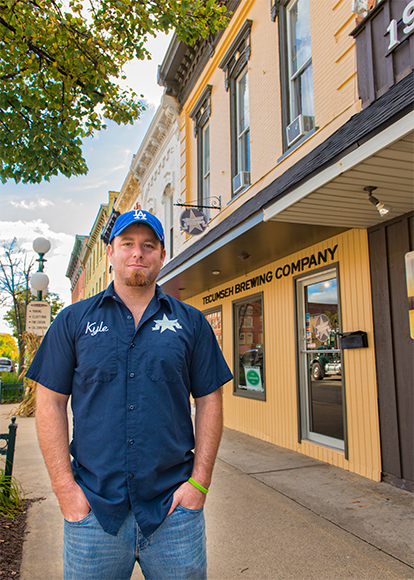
109	250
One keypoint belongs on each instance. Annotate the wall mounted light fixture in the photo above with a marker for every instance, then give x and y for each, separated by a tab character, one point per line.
381	207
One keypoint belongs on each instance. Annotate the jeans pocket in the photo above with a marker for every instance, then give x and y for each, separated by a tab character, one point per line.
188	510
83	521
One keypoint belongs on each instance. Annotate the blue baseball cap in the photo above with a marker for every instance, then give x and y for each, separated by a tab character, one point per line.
137	216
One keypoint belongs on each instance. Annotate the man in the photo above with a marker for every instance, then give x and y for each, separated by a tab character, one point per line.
129	358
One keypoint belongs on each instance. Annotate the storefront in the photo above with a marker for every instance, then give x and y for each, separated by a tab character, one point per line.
281	327
289	272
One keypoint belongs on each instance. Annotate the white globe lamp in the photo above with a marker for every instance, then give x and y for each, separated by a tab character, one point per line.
41	245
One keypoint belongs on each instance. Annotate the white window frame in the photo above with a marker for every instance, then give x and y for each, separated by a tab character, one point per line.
243	127
295	100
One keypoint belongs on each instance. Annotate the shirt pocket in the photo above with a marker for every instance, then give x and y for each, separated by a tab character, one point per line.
165	360
97	358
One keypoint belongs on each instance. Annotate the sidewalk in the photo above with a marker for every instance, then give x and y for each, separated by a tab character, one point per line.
272	514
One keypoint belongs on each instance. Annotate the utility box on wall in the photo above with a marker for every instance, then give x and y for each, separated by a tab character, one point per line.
356	339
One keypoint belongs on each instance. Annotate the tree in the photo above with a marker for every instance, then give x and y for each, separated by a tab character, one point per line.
15	271
15	290
8	346
59	63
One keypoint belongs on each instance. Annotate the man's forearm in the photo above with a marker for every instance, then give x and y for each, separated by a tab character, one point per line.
208	430
52	430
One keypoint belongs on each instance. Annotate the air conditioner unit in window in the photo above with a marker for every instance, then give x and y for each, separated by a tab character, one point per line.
241	181
301	125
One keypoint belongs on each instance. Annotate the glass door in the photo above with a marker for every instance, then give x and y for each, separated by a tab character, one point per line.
320	359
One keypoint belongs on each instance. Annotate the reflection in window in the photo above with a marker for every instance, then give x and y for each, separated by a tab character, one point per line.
324	359
249	348
214	319
300	60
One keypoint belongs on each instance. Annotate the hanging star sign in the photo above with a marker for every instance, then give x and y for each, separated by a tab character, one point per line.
193	221
166	324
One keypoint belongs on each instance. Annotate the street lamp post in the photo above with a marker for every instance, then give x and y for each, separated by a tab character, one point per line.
40	281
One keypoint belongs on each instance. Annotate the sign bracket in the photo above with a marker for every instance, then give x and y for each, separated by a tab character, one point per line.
215	204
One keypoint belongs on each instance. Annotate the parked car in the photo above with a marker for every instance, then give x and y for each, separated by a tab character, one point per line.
6	365
325	363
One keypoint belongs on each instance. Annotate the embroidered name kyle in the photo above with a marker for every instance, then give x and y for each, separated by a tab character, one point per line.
90	327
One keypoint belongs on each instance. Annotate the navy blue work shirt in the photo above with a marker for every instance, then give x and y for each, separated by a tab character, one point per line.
132	430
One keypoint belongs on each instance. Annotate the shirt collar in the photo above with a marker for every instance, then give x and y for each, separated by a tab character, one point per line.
108	293
159	294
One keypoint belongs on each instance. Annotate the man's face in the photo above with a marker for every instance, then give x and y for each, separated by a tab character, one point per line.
136	256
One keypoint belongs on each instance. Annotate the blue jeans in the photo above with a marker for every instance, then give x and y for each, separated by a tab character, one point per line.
175	551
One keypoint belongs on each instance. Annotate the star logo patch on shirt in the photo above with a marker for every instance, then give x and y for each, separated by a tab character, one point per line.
166	324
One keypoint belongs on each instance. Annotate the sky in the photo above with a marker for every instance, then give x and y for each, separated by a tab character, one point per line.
62	208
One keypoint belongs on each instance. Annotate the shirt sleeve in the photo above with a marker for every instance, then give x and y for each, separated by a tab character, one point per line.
54	363
208	367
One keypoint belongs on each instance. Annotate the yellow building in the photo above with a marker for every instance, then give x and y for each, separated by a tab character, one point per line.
299	177
95	259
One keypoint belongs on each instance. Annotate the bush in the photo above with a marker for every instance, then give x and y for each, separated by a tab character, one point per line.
11	495
9	378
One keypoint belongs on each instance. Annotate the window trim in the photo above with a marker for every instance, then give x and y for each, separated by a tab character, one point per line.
200	114
233	63
236	390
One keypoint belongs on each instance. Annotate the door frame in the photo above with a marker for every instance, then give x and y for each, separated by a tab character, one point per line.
300	386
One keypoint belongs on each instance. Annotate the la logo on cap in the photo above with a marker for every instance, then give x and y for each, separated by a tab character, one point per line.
139	215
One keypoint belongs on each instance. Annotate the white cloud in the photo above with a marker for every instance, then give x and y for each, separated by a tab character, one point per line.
32	205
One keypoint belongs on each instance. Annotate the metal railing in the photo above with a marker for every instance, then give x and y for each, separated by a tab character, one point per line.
7	449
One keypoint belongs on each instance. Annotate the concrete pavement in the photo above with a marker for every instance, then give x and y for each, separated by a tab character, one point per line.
272	514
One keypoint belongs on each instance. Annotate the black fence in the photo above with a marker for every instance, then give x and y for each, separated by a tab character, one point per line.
11	392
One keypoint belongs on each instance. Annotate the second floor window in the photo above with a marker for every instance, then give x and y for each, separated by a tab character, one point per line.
243	123
235	66
300	60
201	116
298	114
169	221
204	191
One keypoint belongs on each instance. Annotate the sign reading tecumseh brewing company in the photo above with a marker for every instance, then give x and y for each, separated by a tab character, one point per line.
289	269
38	316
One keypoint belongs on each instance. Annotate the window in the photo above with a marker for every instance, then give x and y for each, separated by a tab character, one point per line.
298	113
243	123
169	220
234	64
204	198
249	378
201	114
213	316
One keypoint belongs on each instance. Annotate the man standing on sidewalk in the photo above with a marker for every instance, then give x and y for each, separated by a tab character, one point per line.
130	357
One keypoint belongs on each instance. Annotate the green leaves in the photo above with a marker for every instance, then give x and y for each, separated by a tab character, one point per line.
58	71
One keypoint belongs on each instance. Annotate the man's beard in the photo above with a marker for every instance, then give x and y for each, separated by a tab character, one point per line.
137	279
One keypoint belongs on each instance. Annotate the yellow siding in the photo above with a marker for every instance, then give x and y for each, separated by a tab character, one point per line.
335	96
276	420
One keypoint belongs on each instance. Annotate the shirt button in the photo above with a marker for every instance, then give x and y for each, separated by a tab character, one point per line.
131	407
131	441
129	317
132	345
131	476
132	375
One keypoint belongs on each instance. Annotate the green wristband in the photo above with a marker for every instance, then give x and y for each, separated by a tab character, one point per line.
197	485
